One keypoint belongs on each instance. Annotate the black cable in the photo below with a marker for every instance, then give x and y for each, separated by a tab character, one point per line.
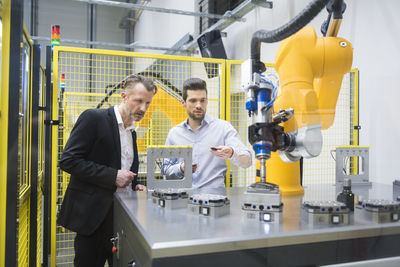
345	161
282	32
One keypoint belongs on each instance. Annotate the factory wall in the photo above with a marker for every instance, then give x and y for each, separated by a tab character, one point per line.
371	26
163	29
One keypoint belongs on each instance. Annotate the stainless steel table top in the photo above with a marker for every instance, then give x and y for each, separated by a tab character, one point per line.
179	232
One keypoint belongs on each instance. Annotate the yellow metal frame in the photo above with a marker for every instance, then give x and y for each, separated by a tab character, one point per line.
41	130
54	134
355	137
40	178
5	10
356	105
227	116
57	49
26	187
5	13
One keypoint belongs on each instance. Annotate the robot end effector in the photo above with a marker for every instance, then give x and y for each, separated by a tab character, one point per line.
266	135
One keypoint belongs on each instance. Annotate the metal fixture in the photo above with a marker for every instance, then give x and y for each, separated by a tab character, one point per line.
226	16
379	210
224	21
132	45
156	152
326	212
262	201
170	198
209	205
129	21
239	12
343	155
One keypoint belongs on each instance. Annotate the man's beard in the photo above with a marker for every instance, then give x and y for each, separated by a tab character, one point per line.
136	116
196	117
133	116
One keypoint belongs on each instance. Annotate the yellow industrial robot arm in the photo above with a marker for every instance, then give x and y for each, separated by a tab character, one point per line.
310	70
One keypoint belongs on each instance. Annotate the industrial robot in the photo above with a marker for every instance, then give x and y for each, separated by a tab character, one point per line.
310	71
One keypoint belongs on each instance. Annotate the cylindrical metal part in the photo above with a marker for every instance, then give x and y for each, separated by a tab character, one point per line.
308	143
250	95
334	29
263	170
346	182
263	115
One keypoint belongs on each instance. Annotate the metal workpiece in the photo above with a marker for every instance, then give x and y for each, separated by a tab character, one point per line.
343	155
209	200
326	212
263	216
209	210
262	202
171	193
153	236
170	198
379	210
156	152
209	205
171	203
323	206
308	144
263	187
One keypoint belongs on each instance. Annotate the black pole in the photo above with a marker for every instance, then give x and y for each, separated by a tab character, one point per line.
16	21
34	17
47	161
34	156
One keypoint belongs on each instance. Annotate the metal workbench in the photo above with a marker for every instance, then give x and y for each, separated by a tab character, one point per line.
153	236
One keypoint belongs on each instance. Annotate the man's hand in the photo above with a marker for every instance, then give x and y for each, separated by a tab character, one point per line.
124	178
140	187
223	152
194	167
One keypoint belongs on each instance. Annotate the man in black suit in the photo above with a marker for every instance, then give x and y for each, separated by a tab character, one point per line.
101	156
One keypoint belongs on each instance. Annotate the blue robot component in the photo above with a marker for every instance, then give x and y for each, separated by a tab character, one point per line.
262	149
265	135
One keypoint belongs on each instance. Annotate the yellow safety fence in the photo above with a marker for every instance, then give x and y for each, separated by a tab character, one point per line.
4	105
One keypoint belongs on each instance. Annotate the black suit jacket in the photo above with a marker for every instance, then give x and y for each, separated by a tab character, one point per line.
92	156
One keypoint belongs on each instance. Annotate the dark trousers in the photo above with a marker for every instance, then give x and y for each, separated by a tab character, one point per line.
95	249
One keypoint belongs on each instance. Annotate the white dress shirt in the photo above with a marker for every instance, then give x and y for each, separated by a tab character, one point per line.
125	135
210	172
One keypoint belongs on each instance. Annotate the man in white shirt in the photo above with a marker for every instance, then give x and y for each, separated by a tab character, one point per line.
213	140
